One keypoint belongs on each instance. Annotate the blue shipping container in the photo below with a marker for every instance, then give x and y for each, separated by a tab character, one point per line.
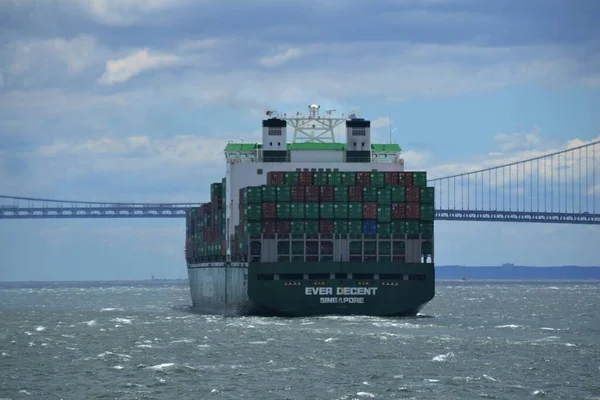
370	227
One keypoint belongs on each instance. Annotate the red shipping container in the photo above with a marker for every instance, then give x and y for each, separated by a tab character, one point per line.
327	193
275	178
398	211
311	193
413	211
305	178
404	178
269	210
269	227
326	226
391	178
370	210
363	178
413	194
283	227
241	231
297	193
355	193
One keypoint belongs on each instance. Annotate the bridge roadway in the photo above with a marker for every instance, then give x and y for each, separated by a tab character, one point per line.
179	210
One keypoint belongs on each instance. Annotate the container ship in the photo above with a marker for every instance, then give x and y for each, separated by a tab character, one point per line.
313	226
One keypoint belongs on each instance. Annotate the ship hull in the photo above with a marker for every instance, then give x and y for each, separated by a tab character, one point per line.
324	288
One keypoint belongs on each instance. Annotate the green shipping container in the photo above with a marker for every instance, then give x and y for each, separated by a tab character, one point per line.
252	195
253	212
348	178
297	210
399	248
427	195
341	193
384	228
427	248
355	211
355	227
398	227
370	194
311	210
269	193
340	227
252	228
334	178
311	227
340	211
384	195
378	179
427	212
427	229
291	178
420	178
384	213
297	226
326	210
413	227
284	193
398	194
284	211
320	178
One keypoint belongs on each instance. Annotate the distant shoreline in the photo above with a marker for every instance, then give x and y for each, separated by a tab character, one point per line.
443	273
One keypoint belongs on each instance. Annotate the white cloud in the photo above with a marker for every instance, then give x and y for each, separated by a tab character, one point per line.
126	12
279	59
123	69
518	141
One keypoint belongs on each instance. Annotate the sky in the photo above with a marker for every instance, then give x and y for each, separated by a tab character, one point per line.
134	100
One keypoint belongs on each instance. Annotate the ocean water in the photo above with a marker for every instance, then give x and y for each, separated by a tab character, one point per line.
493	340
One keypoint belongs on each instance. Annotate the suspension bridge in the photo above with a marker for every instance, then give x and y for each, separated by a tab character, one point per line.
561	187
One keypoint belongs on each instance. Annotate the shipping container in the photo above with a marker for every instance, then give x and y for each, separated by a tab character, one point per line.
275	178
377	179
269	193
427	195
355	193
340	211
326	226
384	228
297	193
405	178
363	178
311	227
384	195
398	194
340	227
427	212
369	227
341	194
291	178
297	226
311	210
269	210
305	178
370	210
334	178
391	178
326	193
311	193
369	194
384	213
419	178
326	211
284	210
283	227
297	210
413	194
348	178
355	227
319	178
355	210
413	211
284	193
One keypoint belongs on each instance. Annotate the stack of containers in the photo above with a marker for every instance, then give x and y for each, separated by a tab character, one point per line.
334	202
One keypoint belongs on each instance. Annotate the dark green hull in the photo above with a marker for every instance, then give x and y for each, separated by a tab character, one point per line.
334	288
